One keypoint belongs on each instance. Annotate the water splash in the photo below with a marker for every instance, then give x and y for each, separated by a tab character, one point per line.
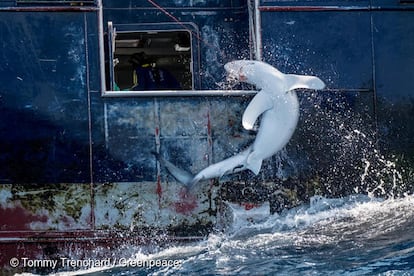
350	235
338	139
353	235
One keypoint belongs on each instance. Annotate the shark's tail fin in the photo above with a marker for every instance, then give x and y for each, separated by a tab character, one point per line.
300	81
181	175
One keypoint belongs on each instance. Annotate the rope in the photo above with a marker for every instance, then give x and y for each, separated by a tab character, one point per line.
184	26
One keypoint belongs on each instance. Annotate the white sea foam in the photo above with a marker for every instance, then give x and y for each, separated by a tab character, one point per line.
325	228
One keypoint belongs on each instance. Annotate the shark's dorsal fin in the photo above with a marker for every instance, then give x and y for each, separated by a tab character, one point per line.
259	104
300	81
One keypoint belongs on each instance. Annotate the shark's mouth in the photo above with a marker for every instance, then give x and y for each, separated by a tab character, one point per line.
235	81
232	73
230	83
232	80
236	76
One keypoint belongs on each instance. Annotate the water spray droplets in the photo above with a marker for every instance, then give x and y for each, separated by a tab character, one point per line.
380	175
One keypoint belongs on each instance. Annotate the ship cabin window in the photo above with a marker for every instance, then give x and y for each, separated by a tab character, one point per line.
148	60
55	2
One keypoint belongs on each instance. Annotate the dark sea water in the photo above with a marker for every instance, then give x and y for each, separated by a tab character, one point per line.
356	235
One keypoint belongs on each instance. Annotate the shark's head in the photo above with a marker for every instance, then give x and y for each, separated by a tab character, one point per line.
262	74
254	72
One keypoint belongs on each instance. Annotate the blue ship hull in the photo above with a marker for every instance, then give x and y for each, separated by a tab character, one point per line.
76	167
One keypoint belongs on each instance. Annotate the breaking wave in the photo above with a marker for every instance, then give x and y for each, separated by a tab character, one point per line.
355	235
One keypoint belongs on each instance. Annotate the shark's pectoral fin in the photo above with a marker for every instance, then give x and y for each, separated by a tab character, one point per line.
300	81
254	163
259	104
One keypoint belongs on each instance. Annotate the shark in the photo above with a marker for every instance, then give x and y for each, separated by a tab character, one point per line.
276	105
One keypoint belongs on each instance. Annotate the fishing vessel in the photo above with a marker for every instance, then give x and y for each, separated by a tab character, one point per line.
77	170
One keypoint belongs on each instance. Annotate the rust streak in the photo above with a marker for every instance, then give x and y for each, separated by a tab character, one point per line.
187	203
159	190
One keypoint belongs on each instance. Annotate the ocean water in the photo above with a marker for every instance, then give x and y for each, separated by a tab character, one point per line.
355	235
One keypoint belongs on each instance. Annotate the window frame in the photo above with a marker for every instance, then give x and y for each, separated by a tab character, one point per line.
69	3
108	55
